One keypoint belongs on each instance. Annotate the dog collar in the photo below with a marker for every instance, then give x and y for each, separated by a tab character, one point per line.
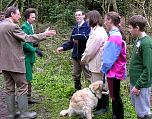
93	92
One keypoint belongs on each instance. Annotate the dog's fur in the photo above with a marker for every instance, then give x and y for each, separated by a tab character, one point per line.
84	101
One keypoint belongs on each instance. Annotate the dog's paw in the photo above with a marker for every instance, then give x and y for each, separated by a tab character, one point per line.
63	113
105	92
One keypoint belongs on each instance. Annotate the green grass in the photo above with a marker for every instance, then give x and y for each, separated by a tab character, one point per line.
53	84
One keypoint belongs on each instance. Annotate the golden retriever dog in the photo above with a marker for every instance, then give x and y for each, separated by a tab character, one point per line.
84	101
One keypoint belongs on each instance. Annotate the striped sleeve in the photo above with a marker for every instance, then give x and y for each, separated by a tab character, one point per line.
110	55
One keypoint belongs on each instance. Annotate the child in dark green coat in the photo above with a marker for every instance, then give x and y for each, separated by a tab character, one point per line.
140	70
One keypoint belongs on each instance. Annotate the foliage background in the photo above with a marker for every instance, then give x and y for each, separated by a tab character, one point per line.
61	11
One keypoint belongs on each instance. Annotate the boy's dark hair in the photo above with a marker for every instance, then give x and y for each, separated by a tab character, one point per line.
28	12
94	18
138	20
10	10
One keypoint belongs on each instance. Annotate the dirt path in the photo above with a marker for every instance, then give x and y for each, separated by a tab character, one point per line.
3	107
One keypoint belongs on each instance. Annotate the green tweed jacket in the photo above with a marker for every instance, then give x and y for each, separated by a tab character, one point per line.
28	48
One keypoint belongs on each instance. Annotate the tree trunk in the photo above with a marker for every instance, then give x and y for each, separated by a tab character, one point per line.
37	7
22	8
114	5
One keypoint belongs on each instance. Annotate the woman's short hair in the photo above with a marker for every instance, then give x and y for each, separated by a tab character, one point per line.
28	12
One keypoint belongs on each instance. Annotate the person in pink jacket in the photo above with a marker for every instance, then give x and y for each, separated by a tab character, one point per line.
114	62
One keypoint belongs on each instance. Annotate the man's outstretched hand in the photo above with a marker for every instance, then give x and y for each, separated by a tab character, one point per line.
49	32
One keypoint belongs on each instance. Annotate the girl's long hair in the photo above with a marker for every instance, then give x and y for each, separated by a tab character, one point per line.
116	20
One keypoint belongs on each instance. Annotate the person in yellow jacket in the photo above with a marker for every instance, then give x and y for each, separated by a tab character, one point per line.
29	49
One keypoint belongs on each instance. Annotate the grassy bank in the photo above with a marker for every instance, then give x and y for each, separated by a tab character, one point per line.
53	83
